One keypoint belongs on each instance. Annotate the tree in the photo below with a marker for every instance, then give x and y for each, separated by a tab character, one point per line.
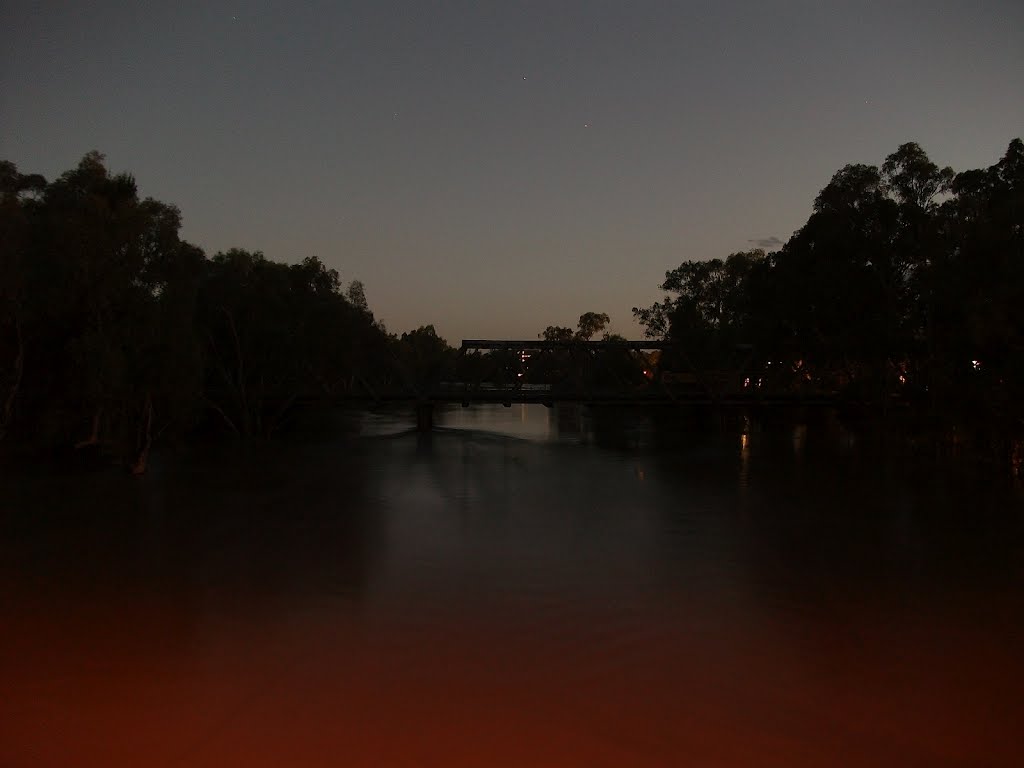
113	330
276	333
556	333
912	179
18	193
97	290
901	277
709	296
422	356
852	188
590	324
356	295
974	287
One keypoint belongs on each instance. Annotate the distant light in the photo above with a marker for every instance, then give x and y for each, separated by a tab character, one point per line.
976	364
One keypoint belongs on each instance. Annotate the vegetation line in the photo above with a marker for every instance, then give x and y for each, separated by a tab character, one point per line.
906	281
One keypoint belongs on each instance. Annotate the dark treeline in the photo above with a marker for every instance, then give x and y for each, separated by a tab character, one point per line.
904	285
906	282
114	331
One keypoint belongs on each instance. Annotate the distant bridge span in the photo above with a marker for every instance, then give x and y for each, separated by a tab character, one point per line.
595	373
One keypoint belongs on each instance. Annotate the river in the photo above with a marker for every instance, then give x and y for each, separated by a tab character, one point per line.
520	587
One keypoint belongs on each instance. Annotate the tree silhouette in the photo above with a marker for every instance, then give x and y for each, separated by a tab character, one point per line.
904	280
114	331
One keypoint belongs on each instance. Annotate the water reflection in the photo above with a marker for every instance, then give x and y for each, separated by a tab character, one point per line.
520	586
744	478
799	438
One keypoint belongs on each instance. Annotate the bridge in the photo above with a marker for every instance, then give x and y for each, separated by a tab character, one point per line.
594	373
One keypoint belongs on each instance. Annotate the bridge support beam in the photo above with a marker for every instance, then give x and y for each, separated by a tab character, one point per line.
424	417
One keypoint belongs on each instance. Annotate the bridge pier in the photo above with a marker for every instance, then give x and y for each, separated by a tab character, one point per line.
424	417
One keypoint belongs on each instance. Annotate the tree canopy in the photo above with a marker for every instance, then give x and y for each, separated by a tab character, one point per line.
114	331
905	279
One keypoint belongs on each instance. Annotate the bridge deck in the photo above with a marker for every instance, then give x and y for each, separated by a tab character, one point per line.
575	371
541	397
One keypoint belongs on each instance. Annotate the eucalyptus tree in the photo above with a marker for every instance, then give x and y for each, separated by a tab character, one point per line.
97	292
18	195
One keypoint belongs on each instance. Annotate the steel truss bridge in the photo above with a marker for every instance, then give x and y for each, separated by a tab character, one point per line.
595	373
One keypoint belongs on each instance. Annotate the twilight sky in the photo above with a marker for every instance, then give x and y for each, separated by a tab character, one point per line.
497	167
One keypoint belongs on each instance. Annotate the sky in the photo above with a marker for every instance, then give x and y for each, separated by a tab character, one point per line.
493	168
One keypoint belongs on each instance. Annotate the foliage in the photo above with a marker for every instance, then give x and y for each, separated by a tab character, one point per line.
114	331
557	333
590	324
422	356
905	281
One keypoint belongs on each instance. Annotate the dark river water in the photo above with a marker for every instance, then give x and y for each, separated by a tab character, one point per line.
521	587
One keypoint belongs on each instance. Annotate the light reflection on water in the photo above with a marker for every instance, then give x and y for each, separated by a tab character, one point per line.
519	420
520	587
529	422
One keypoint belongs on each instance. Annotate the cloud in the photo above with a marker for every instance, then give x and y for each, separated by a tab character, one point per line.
767	243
